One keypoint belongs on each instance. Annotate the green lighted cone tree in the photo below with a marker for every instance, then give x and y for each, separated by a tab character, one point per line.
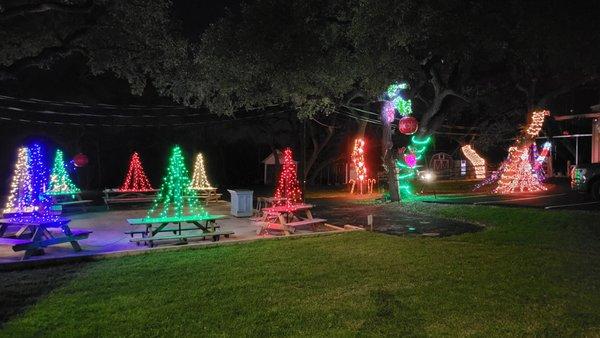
175	199
60	182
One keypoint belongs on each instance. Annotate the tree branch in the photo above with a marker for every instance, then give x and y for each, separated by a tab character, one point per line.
10	13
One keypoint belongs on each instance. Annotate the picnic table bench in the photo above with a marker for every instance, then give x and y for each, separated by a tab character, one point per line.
35	234
116	196
69	199
285	218
208	194
154	226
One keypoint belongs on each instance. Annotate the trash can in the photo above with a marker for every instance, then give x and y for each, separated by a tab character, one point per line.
241	202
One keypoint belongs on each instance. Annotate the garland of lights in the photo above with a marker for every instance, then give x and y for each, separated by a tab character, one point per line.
407	166
288	190
199	178
518	174
476	161
175	197
136	179
60	182
20	193
39	175
358	159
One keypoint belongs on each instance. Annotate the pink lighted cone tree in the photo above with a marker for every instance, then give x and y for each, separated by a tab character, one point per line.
136	179
288	187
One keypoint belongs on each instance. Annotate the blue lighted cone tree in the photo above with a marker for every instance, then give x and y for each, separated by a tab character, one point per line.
176	199
60	182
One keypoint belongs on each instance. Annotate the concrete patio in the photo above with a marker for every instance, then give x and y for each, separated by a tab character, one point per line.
108	237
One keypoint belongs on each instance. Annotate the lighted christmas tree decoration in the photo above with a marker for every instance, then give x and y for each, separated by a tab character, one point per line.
199	178
60	182
388	112
39	174
20	195
476	161
518	174
288	190
136	179
176	199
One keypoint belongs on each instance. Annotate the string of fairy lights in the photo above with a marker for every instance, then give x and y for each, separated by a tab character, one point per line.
135	179
199	177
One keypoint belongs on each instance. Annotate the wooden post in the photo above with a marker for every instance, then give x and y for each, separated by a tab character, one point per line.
596	141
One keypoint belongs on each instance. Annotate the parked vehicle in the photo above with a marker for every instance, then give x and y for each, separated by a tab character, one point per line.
586	178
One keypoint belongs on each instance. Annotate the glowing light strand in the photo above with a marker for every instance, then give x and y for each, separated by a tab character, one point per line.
393	101
20	194
476	161
199	178
407	168
60	182
518	174
288	190
175	199
135	179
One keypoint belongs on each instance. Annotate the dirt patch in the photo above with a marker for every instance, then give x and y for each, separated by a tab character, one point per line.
389	218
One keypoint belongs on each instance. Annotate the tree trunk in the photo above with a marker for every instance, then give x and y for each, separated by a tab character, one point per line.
317	147
388	162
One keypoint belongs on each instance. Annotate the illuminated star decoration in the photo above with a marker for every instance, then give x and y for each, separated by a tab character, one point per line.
288	190
20	196
136	179
518	174
199	178
60	182
476	161
175	199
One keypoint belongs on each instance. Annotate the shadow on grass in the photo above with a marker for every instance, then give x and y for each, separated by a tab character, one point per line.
23	288
392	315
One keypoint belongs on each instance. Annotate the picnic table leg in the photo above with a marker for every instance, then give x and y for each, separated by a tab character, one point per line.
67	232
34	250
283	222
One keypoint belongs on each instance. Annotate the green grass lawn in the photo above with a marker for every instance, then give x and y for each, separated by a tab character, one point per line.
531	272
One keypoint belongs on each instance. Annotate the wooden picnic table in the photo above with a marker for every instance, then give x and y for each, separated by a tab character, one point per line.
154	226
209	194
35	233
112	196
68	199
287	218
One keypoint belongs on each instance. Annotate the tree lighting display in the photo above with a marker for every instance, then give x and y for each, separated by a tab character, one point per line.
175	199
288	190
518	173
360	166
199	178
60	182
38	171
20	196
136	179
476	161
406	167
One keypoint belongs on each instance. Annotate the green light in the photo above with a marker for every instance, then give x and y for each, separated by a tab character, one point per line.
418	147
176	199
60	182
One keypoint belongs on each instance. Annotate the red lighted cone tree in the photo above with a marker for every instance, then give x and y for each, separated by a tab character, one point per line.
288	187
136	179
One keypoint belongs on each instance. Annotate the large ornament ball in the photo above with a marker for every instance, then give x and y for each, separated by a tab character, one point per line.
80	160
408	125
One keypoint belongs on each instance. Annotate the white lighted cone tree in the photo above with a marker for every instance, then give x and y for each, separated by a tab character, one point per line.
20	196
176	199
199	178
